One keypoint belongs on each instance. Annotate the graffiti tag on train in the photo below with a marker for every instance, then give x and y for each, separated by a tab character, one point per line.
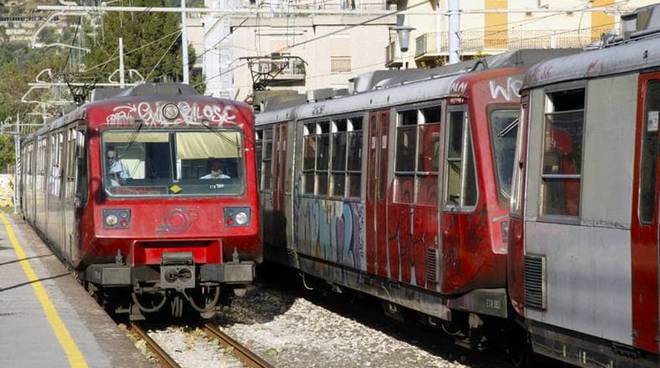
189	114
508	91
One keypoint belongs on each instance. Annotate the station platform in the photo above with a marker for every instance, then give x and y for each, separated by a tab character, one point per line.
47	319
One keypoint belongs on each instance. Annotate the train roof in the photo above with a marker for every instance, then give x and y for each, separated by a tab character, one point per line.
628	55
149	92
436	83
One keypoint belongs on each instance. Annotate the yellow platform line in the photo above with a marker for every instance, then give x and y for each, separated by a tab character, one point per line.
73	354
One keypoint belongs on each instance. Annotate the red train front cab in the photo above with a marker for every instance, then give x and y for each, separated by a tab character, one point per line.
171	187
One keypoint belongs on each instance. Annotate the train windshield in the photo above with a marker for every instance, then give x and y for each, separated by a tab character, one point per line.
173	163
503	129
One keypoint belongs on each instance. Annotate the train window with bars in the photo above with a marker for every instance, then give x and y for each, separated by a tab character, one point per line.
346	148
41	160
322	157
460	175
339	136
309	157
266	158
648	165
258	152
562	153
417	155
69	187
354	158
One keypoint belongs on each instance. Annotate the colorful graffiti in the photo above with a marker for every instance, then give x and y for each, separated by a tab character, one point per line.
331	230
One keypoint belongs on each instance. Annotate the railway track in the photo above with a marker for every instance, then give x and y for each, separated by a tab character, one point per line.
165	359
247	357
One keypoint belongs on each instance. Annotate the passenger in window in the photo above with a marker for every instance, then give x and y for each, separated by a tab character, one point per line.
117	171
215	166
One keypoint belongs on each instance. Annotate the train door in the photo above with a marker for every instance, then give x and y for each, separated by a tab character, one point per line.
645	258
279	167
69	208
266	182
413	222
460	194
278	219
376	208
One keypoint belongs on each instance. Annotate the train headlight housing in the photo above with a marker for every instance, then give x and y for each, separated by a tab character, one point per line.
237	216
170	111
241	218
116	218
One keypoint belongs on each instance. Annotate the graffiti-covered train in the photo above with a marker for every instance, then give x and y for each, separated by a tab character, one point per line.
402	191
530	221
150	196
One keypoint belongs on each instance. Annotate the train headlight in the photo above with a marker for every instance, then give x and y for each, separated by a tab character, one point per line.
111	220
241	218
237	216
116	218
170	111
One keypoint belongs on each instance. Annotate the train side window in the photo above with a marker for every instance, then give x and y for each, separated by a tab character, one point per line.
309	158
460	177
562	153
339	136
354	158
503	132
428	156
267	158
417	155
258	152
322	157
649	153
81	154
69	186
406	149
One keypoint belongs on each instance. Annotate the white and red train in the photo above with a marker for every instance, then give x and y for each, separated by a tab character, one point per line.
583	255
124	190
404	192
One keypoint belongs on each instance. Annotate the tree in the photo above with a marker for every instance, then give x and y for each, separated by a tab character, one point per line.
152	44
19	64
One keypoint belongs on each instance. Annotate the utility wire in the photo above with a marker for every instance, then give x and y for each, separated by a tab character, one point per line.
162	57
133	50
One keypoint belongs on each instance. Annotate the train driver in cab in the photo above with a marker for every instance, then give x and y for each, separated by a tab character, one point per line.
215	166
117	171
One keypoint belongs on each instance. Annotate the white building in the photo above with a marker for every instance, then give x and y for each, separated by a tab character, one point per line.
332	50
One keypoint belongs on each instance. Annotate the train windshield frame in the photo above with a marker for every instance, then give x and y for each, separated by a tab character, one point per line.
173	163
503	122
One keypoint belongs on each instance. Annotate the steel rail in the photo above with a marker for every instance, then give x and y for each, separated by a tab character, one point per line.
162	356
243	354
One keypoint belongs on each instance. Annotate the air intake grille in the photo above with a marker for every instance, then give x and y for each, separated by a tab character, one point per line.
431	265
535	282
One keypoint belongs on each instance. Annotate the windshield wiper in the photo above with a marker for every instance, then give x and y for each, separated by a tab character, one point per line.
508	128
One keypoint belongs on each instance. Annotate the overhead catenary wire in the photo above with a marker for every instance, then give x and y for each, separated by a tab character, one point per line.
163	56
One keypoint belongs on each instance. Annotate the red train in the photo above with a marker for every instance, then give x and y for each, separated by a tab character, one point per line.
402	192
150	196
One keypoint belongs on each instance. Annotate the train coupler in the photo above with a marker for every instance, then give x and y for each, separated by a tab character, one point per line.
177	271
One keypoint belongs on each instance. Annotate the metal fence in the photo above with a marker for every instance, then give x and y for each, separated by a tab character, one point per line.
473	42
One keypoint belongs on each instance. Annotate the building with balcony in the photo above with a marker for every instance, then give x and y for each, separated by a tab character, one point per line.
300	51
492	26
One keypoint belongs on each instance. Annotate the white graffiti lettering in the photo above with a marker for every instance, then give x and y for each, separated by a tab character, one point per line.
458	87
510	90
189	114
